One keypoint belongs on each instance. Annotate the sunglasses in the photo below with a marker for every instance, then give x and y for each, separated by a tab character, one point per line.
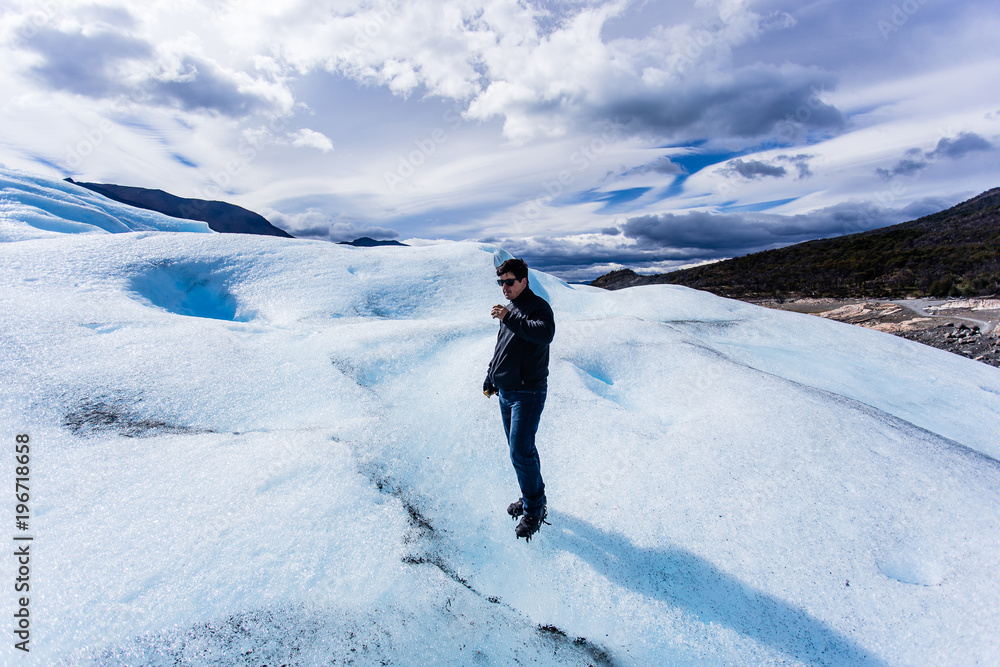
507	281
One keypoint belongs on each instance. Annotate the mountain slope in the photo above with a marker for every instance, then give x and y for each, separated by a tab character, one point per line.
275	451
33	207
220	216
953	252
369	242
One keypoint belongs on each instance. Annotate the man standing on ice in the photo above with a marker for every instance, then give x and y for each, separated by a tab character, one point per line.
518	373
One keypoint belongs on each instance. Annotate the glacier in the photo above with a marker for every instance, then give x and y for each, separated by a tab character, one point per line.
254	450
34	207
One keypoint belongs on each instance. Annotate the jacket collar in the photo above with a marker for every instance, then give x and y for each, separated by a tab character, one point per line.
521	297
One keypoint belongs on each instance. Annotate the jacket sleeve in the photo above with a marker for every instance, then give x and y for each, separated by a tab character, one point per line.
489	369
538	326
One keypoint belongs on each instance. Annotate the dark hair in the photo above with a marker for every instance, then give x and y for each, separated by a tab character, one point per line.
515	266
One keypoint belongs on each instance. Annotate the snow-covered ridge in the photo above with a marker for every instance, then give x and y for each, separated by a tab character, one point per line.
33	207
277	450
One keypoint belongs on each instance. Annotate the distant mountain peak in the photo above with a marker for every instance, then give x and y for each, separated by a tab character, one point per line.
369	242
220	216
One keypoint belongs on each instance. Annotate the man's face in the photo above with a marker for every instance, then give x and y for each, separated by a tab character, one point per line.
511	292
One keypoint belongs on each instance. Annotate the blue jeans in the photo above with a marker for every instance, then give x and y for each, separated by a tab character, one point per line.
521	411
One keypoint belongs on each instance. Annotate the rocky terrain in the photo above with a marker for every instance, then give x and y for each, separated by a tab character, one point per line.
967	327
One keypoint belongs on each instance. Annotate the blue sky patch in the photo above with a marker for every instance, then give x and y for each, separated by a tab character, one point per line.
695	162
614	200
760	206
183	160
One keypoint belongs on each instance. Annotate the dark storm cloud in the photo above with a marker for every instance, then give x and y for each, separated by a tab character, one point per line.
574	261
800	162
964	143
314	224
662	242
752	101
952	148
905	167
85	64
706	234
662	166
203	86
697	230
926	206
752	169
92	64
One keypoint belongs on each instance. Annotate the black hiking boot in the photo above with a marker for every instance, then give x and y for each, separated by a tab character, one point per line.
515	509
529	525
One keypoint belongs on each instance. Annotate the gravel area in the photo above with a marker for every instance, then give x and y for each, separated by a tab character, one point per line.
968	327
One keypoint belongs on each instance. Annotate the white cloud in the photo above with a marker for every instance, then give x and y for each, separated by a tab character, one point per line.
306	138
317	224
485	103
547	74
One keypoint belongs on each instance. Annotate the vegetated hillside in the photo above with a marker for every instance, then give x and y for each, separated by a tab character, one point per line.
955	252
220	216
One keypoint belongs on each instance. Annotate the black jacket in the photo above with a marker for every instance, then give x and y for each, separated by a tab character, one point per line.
521	358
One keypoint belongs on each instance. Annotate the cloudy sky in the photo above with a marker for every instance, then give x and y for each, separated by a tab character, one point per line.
583	135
